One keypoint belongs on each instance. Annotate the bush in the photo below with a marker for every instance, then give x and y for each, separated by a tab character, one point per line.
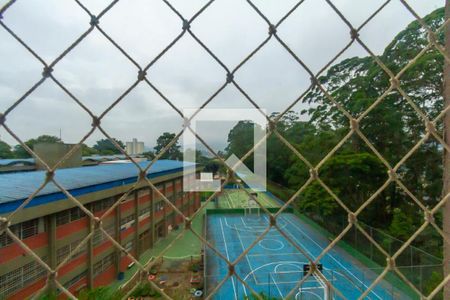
145	290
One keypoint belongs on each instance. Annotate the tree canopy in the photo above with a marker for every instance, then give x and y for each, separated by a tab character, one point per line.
20	152
173	152
106	147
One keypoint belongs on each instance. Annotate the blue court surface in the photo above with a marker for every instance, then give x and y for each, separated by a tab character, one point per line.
274	266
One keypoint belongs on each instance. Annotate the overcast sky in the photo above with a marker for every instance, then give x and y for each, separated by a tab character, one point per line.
97	73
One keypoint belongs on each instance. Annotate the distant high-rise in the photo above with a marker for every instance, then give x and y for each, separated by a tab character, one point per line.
135	147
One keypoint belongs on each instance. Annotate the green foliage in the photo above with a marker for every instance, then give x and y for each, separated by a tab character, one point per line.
20	152
5	150
87	151
240	141
145	290
392	128
402	225
100	293
173	152
433	281
106	147
150	155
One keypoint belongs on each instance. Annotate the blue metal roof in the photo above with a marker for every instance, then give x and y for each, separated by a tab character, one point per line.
16	187
11	161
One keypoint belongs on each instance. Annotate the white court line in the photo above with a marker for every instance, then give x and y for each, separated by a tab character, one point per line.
329	254
281	254
228	257
263	266
228	199
278	288
246	257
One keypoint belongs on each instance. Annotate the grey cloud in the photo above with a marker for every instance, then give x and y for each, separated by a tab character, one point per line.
98	73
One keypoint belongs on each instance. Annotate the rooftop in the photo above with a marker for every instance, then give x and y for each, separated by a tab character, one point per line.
16	187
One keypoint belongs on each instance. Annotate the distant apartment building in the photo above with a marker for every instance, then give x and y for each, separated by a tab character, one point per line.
52	226
134	147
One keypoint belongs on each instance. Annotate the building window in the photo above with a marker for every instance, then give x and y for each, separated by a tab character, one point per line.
159	206
143	193
128	247
69	249
97	206
63	217
102	205
69	215
127	221
99	237
145	210
103	264
15	280
129	198
75	279
22	231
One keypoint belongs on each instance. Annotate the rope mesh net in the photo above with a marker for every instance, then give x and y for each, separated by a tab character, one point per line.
185	23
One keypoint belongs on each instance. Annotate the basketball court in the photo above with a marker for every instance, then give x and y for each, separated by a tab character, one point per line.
274	266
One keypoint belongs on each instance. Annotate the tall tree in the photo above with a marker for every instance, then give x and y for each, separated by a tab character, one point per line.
173	152
20	151
5	150
87	151
106	147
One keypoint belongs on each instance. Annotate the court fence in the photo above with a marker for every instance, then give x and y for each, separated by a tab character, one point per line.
94	23
427	276
420	267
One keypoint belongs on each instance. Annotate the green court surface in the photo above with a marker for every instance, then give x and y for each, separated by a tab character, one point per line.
185	247
234	198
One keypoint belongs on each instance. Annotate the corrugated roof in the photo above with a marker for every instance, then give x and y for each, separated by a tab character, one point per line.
9	161
18	186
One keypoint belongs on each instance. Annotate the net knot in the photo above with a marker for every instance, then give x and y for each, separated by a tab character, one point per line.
141	75
354	124
95	121
432	38
52	275
187	223
142	175
429	217
272	125
230	77
97	222
186	25
231	269
430	127
272	29
354	34
313	173
273	221
186	122
2	119
390	263
351	217
4	224
47	71
395	83
314	81
94	21
392	175
49	175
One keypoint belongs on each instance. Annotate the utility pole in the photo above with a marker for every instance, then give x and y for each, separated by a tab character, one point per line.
446	161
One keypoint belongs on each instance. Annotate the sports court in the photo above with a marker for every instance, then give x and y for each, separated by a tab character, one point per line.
274	266
233	198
